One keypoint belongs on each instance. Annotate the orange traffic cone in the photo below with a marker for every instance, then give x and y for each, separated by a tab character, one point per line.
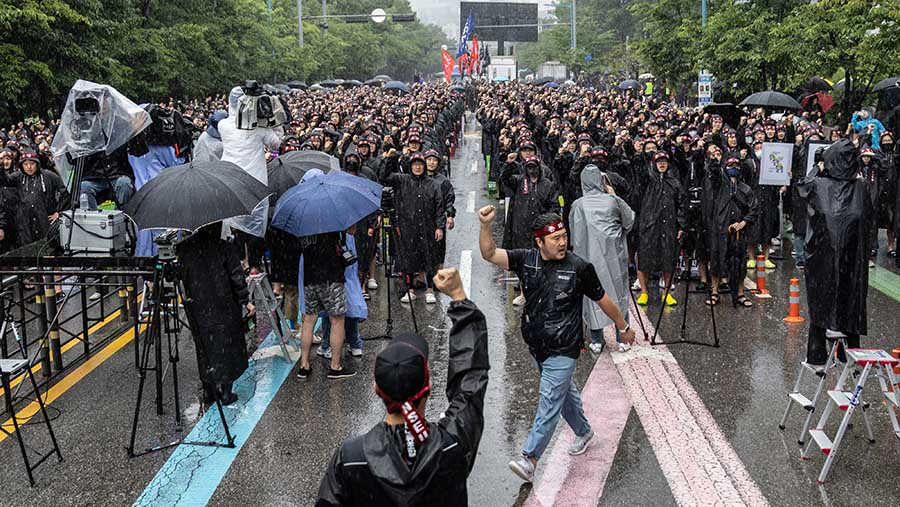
794	305
761	274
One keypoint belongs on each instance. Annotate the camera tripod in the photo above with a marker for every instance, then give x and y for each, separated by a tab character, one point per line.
164	318
388	241
687	248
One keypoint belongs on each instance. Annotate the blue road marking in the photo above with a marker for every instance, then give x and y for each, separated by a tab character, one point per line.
192	473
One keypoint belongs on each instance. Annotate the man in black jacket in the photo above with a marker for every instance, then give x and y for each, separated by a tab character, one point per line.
406	460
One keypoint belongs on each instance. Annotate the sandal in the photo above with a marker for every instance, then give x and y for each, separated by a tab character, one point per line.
713	300
742	300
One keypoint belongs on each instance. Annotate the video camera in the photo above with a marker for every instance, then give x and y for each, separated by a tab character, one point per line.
167	243
258	109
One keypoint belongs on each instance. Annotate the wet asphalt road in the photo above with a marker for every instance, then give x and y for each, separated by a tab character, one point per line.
743	384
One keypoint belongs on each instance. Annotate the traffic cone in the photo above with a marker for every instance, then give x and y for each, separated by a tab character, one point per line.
794	305
761	275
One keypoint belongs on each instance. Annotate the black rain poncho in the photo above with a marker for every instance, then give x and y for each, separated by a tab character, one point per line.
663	214
837	239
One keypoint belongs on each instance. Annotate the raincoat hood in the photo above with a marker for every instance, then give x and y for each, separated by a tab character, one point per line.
234	98
592	180
841	160
213	128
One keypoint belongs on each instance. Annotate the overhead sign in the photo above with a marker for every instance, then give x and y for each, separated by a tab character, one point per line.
501	21
704	87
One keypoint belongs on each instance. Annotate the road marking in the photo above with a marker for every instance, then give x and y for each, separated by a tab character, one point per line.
192	473
699	464
470	202
474	169
66	347
885	281
67	382
465	271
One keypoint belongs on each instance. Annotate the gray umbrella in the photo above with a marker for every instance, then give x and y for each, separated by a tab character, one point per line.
884	84
771	100
629	84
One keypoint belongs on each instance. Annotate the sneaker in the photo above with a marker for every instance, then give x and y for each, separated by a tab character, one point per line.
303	372
669	300
409	296
326	353
662	283
523	468
60	298
624	347
871	265
519	301
344	372
636	285
316	339
770	264
95	296
430	298
597	348
371	284
580	445
801	265
643	299
356	352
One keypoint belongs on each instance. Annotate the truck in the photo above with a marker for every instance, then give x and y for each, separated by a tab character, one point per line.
555	70
502	68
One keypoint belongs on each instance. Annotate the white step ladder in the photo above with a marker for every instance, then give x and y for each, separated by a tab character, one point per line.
809	404
266	302
847	401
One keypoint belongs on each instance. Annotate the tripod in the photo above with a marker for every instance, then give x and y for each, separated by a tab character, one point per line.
688	246
389	240
166	273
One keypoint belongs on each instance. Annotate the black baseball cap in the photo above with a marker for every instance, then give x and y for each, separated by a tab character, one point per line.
401	371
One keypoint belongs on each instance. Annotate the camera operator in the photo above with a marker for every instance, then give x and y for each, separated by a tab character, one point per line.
421	218
406	460
214	280
111	172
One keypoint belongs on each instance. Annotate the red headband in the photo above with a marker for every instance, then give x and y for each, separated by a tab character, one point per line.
549	229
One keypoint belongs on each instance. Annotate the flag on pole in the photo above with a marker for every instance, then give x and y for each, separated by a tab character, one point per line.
475	58
448	64
464	65
463	47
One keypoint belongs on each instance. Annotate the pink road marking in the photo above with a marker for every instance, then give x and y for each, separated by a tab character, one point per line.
579	480
699	464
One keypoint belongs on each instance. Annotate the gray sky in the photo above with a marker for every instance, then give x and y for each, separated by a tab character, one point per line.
446	14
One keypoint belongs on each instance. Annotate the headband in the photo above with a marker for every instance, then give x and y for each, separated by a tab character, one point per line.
549	229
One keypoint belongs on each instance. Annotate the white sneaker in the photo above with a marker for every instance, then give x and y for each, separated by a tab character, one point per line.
662	284
323	353
409	296
430	298
624	347
580	445
371	284
523	468
519	301
356	352
597	348
95	296
316	339
636	285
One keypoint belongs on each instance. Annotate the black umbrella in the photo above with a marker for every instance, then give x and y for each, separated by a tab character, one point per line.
288	169
384	78
816	84
457	88
629	84
728	111
374	82
328	83
397	85
884	84
297	85
541	81
192	195
771	100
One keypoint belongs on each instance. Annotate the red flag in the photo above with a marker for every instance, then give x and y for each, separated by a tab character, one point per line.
448	64
463	62
476	56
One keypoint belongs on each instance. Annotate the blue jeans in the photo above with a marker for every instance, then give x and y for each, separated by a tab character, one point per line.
558	396
122	187
351	333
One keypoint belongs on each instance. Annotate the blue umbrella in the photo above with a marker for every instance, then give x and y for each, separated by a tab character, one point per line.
326	203
396	85
552	84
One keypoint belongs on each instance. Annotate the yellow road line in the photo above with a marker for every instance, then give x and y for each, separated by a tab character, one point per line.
68	345
67	382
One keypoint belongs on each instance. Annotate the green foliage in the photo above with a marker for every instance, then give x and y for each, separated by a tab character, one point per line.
153	49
